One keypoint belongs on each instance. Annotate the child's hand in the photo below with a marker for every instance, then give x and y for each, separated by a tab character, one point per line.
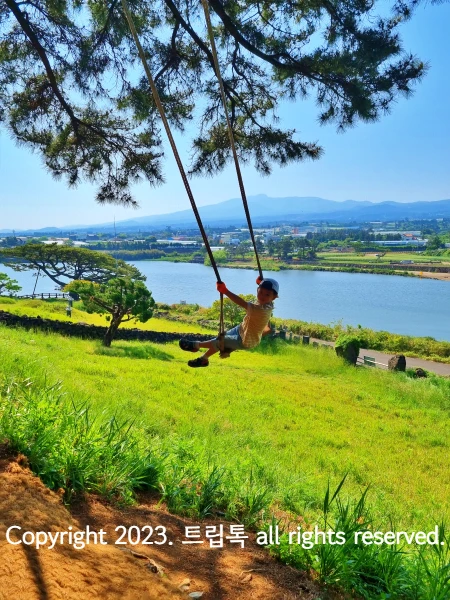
259	280
221	287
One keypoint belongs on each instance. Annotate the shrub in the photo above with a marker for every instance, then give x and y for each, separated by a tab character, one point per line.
345	340
69	449
348	346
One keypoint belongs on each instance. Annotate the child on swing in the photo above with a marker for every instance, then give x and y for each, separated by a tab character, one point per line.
246	335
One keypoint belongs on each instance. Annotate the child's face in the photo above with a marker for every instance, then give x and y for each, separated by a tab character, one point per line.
265	296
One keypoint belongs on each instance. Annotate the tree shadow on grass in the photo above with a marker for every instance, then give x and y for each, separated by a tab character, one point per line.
142	352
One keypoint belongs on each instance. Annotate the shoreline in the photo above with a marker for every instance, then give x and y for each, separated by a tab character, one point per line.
425	348
281	266
439	276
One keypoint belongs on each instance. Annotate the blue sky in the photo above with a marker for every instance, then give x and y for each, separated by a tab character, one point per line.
404	157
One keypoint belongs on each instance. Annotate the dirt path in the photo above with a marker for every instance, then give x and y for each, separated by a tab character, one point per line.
427	275
110	571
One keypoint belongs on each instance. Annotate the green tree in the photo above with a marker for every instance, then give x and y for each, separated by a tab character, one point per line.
260	245
68	85
220	256
271	247
233	314
285	247
434	243
244	248
312	248
64	263
122	298
301	244
233	252
8	285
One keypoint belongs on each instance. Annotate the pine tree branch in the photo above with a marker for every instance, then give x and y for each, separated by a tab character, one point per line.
28	30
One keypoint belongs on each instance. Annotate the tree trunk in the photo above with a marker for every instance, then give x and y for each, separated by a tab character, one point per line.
111	331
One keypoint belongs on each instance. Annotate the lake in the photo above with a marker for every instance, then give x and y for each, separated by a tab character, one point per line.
405	305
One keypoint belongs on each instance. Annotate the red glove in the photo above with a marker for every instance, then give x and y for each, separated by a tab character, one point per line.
221	287
259	280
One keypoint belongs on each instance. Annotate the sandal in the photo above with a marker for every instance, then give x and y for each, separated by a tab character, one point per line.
188	345
198	362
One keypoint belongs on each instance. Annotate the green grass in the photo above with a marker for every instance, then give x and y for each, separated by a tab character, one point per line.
69	448
370	257
292	416
56	309
383	571
275	428
191	318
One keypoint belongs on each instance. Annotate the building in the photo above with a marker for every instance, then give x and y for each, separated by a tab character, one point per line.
57	241
229	238
178	242
404	242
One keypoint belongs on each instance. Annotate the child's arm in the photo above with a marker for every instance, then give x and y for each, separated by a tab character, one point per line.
236	299
221	287
267	330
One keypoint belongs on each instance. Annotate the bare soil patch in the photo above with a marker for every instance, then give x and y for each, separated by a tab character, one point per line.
428	275
130	572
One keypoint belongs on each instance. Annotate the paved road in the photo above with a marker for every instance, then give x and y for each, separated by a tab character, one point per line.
411	363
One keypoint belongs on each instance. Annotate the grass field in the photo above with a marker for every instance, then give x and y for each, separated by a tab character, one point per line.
56	309
336	261
371	257
192	318
278	423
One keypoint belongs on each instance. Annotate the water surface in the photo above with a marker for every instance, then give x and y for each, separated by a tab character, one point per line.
406	305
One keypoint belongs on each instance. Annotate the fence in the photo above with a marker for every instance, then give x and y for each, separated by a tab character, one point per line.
44	296
369	361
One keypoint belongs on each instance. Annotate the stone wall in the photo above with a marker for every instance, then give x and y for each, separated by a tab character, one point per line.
86	331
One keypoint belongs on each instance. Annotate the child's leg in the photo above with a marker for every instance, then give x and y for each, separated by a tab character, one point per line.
232	342
202	361
211	348
190	346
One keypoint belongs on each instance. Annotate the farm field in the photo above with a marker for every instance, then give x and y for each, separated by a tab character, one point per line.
345	260
388	257
279	423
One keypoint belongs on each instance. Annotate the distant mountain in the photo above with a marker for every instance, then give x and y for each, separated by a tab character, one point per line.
231	212
265	210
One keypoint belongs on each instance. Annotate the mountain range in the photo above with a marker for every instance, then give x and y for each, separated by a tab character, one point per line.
272	211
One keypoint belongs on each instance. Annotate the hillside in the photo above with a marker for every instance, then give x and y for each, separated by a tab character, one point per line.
114	572
295	398
258	434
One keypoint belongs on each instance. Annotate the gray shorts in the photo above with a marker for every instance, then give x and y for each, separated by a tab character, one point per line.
232	341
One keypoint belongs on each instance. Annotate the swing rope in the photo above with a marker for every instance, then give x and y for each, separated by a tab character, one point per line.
162	113
171	140
230	131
